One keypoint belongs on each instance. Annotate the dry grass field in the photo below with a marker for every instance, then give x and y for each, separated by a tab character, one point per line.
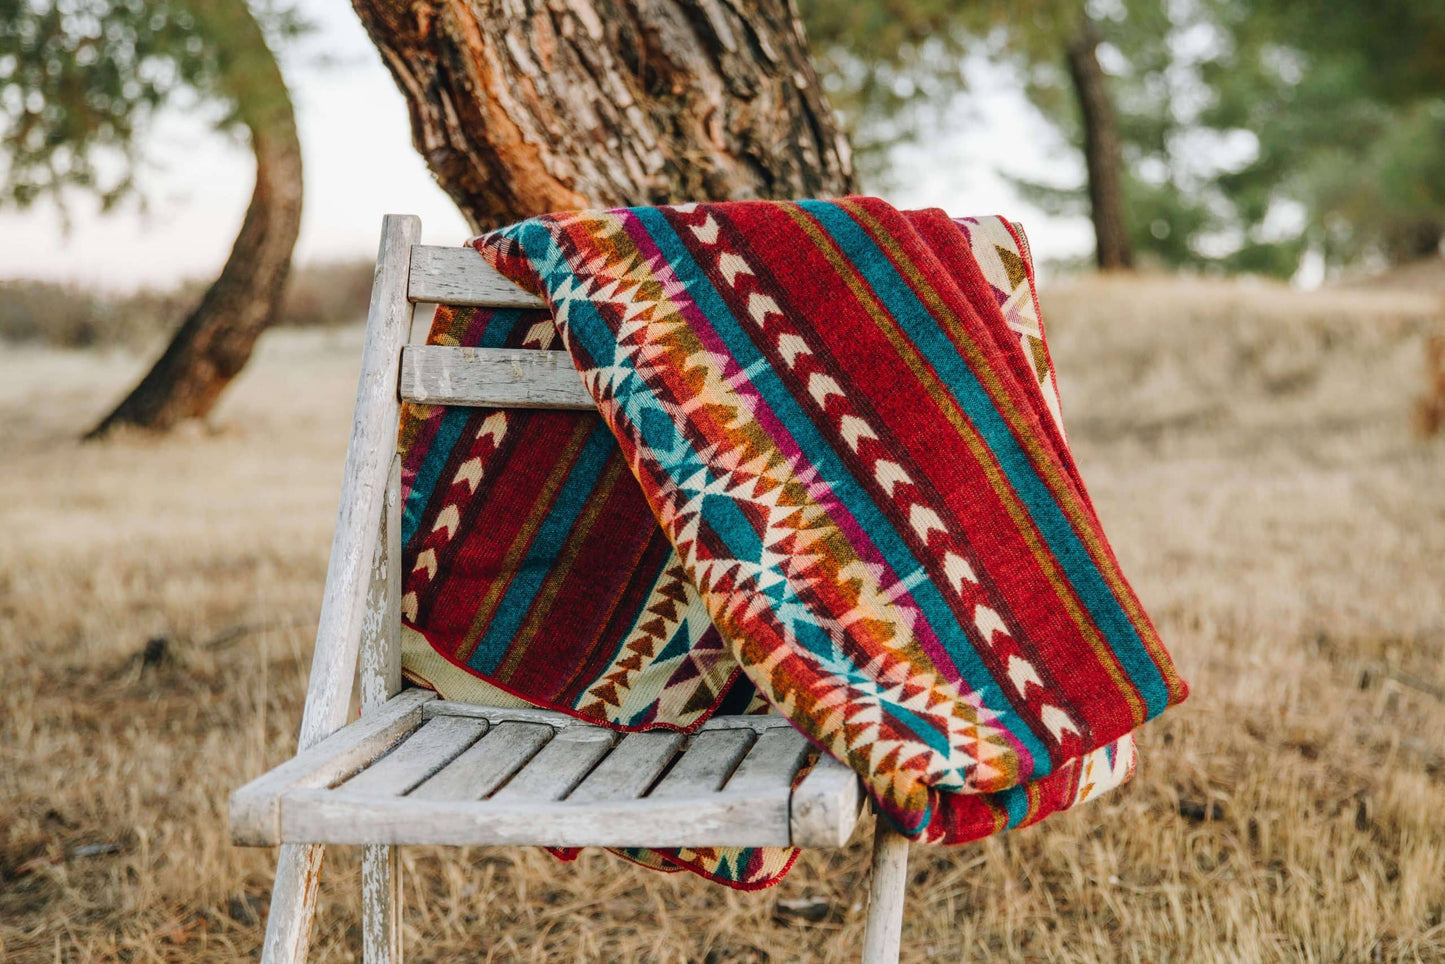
1250	449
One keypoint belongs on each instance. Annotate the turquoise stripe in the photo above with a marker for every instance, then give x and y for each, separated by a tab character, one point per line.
500	327
450	430
542	554
677	645
1063	542
1015	800
596	338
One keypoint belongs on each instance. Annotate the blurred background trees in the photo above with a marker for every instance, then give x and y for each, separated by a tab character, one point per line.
80	82
1216	135
1347	101
886	58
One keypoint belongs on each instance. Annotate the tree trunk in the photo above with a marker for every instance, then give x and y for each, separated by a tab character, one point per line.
1102	156
215	341
531	106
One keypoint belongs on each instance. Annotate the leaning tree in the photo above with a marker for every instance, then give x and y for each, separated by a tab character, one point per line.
81	82
531	106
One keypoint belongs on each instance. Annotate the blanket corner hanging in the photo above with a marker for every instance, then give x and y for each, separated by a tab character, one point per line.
827	477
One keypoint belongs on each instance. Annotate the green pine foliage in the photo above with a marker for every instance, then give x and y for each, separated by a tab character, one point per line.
1347	102
1254	131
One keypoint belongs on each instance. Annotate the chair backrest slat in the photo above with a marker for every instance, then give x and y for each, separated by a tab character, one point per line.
491	378
458	276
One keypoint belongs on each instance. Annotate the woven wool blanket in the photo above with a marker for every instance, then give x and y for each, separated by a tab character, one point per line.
828	478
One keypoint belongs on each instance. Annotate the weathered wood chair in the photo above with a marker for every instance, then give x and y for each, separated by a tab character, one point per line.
414	769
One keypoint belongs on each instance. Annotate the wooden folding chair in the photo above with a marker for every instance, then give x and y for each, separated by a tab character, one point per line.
414	769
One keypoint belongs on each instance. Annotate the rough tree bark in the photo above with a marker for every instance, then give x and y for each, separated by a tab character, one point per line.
526	106
215	341
1102	155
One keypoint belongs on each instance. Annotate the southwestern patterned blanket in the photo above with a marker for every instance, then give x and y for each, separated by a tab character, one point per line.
827	478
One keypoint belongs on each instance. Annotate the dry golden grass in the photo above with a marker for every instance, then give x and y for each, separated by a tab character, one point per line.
1248	447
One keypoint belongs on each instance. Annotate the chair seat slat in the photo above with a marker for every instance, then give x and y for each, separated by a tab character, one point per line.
486	764
706	765
430	748
256	808
730	787
630	769
560	766
772	762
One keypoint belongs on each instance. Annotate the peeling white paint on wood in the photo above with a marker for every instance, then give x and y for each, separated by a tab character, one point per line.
459	276
826	805
380	650
358	523
488	763
887	883
381	905
438	742
492	377
723	820
473	774
630	769
380	680
256	807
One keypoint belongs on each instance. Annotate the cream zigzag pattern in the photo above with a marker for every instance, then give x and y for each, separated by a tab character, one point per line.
834	404
684	686
464	482
1005	266
636	678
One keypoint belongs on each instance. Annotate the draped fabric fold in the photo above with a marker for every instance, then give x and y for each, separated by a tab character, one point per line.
827	478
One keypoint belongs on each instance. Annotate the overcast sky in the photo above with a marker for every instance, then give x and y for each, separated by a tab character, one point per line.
359	165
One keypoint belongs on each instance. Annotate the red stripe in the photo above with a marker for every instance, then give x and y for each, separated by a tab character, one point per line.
961	599
913	422
1066	489
568	639
493	526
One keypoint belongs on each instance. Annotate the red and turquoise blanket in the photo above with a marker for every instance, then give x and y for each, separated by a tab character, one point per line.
827	478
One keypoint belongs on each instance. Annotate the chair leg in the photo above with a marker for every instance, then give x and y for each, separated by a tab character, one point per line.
293	904
381	905
380	681
888	880
347	602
